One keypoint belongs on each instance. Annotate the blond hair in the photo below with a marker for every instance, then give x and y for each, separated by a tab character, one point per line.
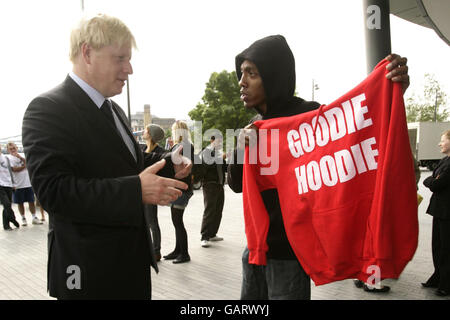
10	143
98	32
446	133
180	132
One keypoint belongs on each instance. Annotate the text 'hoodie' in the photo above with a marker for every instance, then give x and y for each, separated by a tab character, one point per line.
345	181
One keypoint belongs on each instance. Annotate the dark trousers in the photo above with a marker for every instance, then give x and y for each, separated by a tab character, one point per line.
181	247
213	199
278	280
152	214
440	244
8	213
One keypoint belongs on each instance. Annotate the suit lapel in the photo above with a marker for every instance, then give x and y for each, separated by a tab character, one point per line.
107	132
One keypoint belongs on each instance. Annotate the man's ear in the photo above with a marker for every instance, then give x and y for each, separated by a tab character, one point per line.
86	52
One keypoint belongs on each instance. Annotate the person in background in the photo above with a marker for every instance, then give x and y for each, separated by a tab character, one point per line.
213	159
6	186
181	138
90	174
23	191
439	208
169	143
38	205
266	74
153	133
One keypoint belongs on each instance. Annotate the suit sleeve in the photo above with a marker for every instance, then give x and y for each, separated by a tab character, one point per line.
53	142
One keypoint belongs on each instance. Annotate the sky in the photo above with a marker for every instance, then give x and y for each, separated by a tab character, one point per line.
180	43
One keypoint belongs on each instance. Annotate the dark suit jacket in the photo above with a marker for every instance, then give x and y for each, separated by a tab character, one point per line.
439	184
87	180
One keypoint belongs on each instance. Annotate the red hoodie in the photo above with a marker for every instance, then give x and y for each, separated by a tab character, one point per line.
346	185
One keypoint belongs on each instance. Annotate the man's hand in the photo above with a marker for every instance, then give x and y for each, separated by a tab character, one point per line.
181	164
247	136
398	70
159	190
17	155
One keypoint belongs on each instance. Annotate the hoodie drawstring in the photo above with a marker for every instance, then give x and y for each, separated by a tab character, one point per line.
319	113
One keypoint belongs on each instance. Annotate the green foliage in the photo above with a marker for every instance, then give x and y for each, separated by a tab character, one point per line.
221	107
422	108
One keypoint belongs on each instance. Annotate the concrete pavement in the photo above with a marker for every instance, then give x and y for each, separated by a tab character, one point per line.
214	273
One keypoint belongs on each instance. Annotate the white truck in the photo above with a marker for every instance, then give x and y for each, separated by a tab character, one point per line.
424	138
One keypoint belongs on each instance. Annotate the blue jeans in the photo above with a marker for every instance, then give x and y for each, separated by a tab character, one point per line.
278	280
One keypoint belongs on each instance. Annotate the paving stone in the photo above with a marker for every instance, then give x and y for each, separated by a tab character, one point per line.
214	273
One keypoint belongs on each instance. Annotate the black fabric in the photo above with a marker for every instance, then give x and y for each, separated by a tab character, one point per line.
213	199
151	210
214	172
276	65
181	243
87	180
8	213
440	246
439	184
106	109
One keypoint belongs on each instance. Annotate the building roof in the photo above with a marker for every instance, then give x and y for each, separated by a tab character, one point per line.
433	14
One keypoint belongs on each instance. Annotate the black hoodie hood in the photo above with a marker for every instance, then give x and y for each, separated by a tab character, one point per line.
276	65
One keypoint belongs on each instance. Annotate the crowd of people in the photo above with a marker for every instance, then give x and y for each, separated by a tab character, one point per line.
211	174
103	208
15	188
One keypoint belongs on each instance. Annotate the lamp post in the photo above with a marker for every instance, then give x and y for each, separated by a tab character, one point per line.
377	31
315	87
436	105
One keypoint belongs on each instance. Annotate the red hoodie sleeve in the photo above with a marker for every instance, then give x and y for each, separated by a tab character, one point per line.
255	213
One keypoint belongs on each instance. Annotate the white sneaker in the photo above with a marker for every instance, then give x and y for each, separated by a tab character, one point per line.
36	220
24	222
205	243
216	238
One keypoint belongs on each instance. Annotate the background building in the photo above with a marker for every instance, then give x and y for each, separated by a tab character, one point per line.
140	120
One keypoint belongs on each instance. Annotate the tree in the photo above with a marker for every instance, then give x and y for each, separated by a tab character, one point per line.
433	101
221	107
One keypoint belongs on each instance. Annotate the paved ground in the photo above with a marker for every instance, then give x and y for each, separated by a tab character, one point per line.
214	273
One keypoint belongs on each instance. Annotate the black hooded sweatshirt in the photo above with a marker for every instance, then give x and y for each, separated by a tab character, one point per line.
276	65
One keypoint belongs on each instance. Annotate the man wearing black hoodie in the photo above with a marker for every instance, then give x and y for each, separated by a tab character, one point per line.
266	73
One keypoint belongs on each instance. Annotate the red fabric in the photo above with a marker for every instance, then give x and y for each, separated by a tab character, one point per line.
340	228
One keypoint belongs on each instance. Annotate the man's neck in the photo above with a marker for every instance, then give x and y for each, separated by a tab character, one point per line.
83	75
262	109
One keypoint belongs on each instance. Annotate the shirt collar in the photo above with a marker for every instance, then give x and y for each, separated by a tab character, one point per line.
95	96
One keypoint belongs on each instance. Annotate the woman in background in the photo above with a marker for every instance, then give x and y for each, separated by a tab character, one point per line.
181	138
439	208
153	133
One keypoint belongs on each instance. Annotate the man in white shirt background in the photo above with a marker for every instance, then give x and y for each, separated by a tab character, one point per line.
23	191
